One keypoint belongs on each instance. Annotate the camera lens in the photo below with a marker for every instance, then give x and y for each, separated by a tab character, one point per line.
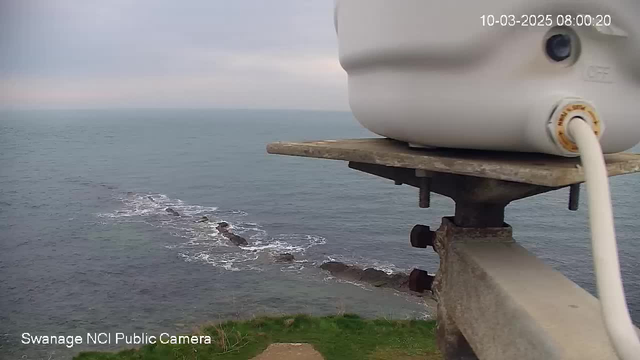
559	47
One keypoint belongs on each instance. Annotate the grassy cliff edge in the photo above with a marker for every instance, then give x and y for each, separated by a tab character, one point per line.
335	337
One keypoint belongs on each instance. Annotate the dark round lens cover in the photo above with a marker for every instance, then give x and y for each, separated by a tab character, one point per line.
558	47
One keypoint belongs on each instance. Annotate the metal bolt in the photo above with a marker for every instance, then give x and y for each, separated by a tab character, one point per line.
421	236
425	193
574	197
425	188
420	280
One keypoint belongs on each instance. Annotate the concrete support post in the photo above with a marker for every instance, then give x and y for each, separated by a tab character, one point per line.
479	215
497	301
470	222
451	342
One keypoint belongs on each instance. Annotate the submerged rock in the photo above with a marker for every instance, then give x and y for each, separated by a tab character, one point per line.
223	228
172	212
237	240
151	199
375	277
203	219
343	271
284	257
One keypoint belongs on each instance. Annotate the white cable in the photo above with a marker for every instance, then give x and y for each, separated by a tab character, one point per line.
603	242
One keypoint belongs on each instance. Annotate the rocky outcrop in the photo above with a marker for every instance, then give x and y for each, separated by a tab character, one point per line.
223	228
172	212
284	258
375	277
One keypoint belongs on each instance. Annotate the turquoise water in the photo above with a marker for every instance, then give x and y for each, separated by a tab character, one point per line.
86	246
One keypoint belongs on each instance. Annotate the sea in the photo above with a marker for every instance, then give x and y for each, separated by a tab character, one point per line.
86	245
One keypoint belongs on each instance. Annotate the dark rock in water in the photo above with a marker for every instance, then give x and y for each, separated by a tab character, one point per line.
285	257
399	280
375	277
223	228
237	240
172	212
151	198
334	266
203	219
343	271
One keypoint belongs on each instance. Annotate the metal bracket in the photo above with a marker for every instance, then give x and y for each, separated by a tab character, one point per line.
480	202
495	300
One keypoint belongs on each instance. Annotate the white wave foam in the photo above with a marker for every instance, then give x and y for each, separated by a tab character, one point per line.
292	268
202	242
360	285
231	262
144	205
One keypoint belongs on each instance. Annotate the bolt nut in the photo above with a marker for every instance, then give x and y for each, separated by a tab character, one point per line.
421	236
420	280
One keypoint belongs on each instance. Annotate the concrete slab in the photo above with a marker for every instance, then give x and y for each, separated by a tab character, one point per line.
510	305
535	169
292	351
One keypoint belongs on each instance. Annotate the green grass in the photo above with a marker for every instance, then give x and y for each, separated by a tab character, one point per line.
348	337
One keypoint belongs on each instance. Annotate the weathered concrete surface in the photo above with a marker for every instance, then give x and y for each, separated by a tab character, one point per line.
293	351
507	304
536	169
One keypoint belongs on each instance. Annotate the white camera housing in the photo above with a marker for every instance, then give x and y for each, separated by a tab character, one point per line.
436	74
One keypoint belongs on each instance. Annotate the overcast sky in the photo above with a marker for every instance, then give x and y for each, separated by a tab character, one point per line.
170	53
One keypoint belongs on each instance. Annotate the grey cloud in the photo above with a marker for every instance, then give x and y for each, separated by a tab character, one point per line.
164	53
66	37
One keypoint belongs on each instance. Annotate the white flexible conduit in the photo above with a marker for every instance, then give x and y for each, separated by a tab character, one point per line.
603	242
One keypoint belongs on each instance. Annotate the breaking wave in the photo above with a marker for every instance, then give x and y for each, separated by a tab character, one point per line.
201	242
